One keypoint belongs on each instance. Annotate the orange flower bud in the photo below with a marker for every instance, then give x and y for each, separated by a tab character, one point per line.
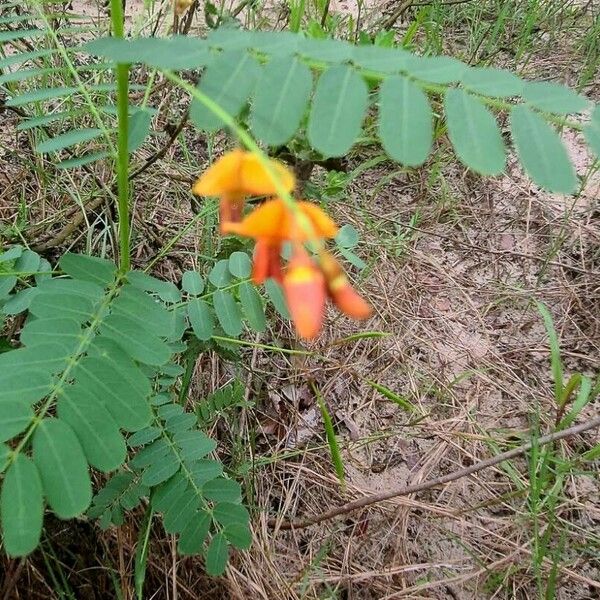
267	261
274	220
304	289
231	207
341	291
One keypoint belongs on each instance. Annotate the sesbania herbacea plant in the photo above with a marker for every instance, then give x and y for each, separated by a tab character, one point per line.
308	280
97	375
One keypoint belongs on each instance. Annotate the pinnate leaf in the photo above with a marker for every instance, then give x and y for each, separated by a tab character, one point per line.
474	133
592	132
95	429
497	83
228	313
337	111
21	507
405	121
228	82
201	318
553	97
280	100
63	468
14	418
541	151
252	306
217	555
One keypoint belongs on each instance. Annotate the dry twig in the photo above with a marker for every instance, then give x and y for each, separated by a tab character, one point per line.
426	485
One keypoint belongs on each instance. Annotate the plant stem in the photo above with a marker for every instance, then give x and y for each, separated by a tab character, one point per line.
122	72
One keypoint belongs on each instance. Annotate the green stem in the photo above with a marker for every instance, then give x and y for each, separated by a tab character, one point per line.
122	72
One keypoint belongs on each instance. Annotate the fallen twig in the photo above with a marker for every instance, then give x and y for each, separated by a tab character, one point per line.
426	485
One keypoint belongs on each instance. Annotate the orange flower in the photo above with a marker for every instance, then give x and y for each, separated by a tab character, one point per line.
273	223
235	176
341	291
305	293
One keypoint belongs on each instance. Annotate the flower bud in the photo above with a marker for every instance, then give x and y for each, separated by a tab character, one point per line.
304	289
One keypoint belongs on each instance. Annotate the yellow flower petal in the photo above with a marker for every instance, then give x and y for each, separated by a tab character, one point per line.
243	173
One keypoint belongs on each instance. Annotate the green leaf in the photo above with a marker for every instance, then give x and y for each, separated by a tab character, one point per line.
274	43
70	138
48	304
201	318
166	290
44	358
4	454
20	301
217	555
240	265
435	69
178	52
139	128
96	430
21	507
7	283
205	470
194	444
88	268
592	131
192	537
41	95
22	57
228	313
228	82
553	97
252	306
347	236
144	436
79	161
220	275
139	343
223	490
192	283
166	494
25	386
327	50
496	83
179	514
14	418
66	332
45	119
238	536
115	382
280	100
384	60
11	254
227	513
474	133
63	468
144	310
276	296
405	121
28	262
337	111
541	151
161	471
153	453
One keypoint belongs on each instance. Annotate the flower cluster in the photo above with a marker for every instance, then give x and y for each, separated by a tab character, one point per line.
307	282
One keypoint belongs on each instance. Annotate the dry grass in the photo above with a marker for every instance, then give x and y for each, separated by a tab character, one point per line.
465	345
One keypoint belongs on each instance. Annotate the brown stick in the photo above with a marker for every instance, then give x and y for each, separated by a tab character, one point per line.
426	485
161	153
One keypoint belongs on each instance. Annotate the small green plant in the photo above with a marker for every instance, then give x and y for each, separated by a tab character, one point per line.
97	382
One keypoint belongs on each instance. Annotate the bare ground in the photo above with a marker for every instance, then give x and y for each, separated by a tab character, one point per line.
455	264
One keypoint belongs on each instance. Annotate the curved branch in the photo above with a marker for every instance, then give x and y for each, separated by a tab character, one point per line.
431	483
